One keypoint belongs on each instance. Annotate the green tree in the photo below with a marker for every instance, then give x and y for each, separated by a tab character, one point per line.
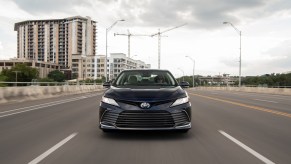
75	75
46	79
24	73
271	80
57	75
2	79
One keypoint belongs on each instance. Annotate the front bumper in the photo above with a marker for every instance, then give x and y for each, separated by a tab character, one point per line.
134	118
187	126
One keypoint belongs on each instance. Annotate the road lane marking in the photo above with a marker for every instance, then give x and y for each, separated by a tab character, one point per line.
246	106
51	150
40	106
267	101
248	149
54	102
279	97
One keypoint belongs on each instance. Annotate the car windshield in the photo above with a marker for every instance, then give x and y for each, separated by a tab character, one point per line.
145	78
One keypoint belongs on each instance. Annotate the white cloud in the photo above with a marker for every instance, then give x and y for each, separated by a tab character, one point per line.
265	26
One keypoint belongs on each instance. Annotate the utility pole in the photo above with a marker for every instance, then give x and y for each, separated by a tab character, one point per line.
193	81
16	72
107	30
239	32
159	41
129	35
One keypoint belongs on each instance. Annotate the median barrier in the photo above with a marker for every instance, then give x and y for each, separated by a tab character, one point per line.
36	92
280	91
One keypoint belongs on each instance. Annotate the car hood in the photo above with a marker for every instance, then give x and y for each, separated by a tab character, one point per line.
149	94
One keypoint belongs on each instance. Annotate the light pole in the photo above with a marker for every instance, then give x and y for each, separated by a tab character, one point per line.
182	72
16	72
193	69
107	30
239	32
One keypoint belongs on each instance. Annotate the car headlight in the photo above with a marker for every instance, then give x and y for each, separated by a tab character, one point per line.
109	101
180	101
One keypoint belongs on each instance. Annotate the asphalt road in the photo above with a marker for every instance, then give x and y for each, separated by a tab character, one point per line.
227	127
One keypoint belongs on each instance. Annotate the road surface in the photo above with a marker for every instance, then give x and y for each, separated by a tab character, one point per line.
227	127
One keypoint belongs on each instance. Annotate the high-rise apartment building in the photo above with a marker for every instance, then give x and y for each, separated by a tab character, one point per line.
56	40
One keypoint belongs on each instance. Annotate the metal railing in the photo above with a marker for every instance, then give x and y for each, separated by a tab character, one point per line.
34	83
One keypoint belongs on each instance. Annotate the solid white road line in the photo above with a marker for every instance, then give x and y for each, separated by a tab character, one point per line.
248	149
266	101
35	107
54	102
40	107
51	150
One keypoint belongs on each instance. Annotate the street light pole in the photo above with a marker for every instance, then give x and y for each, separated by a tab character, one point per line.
193	69
107	30
239	32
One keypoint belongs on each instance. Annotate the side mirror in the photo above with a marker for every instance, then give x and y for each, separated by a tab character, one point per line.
184	84
106	84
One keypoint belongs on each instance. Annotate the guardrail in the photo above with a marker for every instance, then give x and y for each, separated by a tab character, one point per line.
21	84
281	91
44	91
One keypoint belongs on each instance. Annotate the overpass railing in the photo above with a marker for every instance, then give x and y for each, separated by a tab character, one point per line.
22	84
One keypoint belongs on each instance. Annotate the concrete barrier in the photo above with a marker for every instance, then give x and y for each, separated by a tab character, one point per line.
36	92
279	91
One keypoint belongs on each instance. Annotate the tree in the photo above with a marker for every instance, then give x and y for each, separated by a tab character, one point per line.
2	79
46	80
75	76
57	75
24	73
269	79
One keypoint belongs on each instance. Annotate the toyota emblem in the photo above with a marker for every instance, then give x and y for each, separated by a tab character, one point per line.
145	105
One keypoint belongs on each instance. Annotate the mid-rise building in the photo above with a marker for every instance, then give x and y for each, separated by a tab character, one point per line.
119	62
116	63
83	67
224	79
56	40
44	68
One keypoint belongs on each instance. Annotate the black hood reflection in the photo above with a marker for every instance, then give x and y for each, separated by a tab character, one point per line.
145	94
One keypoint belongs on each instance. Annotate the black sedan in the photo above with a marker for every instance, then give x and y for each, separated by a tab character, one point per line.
145	99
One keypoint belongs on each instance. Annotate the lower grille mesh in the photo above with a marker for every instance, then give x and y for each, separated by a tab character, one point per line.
145	119
109	117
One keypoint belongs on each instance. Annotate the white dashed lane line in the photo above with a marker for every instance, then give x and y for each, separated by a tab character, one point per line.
248	149
51	150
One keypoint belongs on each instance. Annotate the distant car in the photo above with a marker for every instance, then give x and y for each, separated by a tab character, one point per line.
145	99
185	84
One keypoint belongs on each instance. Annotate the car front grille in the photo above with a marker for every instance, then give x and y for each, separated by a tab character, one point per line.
110	117
180	118
145	119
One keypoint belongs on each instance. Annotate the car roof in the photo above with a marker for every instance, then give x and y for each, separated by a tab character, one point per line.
145	70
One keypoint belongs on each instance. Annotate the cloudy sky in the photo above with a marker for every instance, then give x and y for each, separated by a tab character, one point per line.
265	26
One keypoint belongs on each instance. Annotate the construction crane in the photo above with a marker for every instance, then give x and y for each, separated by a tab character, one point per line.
159	41
129	35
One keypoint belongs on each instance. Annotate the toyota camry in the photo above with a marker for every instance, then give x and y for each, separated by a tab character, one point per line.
145	99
